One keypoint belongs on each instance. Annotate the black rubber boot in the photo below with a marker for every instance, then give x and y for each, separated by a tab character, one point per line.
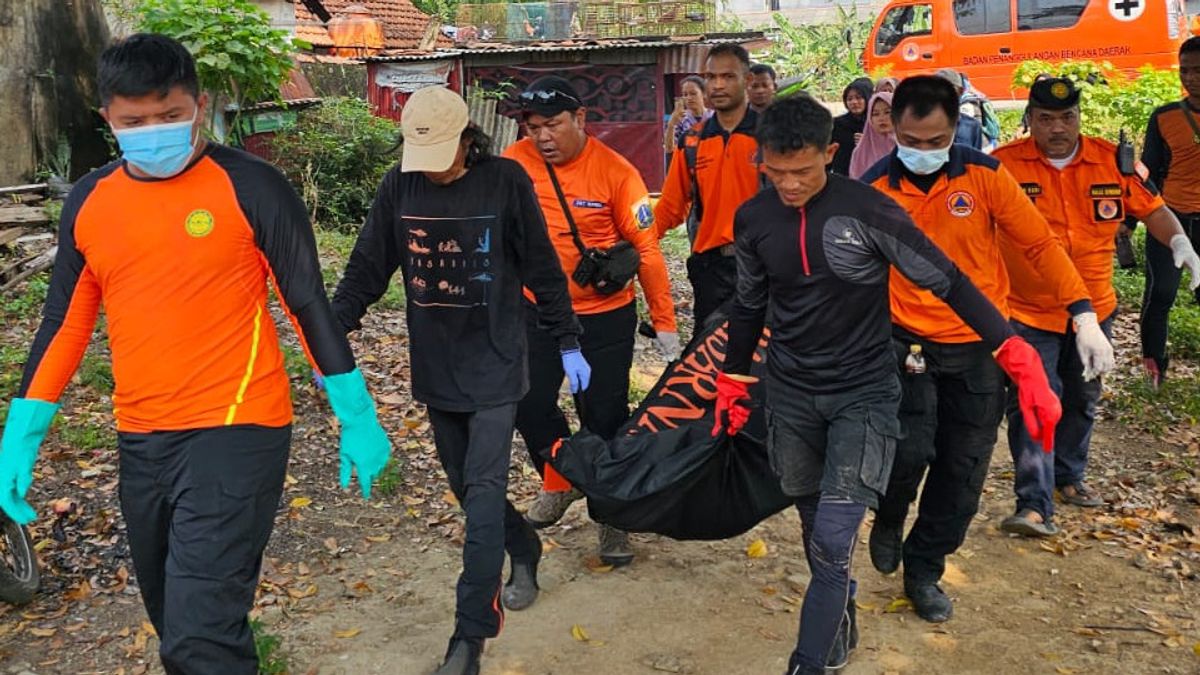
886	546
462	657
846	640
522	588
929	602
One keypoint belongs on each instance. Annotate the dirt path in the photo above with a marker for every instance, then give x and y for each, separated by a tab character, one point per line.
693	607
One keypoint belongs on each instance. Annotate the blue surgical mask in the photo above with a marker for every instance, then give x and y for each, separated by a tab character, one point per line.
923	162
159	150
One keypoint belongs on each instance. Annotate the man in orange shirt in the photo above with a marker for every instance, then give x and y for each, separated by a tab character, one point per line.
1076	183
178	241
712	173
1171	153
594	201
953	397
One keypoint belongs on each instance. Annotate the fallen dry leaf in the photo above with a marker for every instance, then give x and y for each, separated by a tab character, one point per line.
346	634
897	605
299	502
379	538
43	632
579	634
757	549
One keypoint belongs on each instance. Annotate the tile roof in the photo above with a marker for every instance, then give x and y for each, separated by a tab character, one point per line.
403	24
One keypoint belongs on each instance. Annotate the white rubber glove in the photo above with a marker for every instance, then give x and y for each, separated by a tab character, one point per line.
1095	351
668	345
1185	257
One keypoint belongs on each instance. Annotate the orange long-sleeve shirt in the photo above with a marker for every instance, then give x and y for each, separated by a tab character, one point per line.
969	206
727	175
182	266
1085	203
609	203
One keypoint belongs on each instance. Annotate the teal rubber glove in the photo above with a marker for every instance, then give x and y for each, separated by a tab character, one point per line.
365	447
28	421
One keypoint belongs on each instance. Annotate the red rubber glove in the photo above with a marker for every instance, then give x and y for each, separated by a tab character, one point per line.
1039	406
733	393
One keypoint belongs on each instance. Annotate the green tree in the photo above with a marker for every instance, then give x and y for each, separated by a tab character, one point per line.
240	58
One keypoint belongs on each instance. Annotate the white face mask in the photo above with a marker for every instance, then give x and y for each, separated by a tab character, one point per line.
923	162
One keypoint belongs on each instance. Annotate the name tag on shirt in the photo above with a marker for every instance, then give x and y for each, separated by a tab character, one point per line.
587	204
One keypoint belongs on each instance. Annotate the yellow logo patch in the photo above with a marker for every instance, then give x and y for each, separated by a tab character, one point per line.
199	223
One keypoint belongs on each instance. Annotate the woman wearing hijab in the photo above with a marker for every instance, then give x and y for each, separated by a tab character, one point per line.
848	128
886	84
878	139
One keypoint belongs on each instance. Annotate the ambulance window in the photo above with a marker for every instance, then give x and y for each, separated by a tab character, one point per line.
981	17
902	22
1042	14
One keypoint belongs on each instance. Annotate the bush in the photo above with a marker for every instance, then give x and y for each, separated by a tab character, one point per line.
1109	101
336	155
823	57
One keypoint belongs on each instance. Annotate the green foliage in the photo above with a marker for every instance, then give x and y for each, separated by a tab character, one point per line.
336	155
96	373
445	10
239	56
1177	402
295	363
1010	123
12	363
83	436
268	646
27	304
334	248
1109	101
823	57
675	244
390	479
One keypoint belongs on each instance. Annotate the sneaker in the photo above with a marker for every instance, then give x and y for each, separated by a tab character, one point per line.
846	639
1080	494
614	547
797	668
1028	523
462	657
550	507
522	588
886	546
930	602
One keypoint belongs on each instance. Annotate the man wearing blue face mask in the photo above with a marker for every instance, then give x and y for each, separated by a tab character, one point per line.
178	241
953	391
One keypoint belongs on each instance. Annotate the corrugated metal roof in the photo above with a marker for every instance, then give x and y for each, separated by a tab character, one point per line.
701	44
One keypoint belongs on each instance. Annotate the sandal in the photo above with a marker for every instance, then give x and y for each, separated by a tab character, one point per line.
1025	524
1080	494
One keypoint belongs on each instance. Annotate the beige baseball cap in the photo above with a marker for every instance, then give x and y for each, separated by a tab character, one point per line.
432	122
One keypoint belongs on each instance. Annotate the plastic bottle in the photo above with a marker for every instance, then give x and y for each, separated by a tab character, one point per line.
914	363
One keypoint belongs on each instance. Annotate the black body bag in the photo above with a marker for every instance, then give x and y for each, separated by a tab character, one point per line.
664	472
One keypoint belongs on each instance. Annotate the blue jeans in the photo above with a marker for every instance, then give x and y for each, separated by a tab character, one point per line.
1038	472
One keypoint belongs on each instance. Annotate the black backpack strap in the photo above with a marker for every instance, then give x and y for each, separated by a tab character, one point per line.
691	153
562	201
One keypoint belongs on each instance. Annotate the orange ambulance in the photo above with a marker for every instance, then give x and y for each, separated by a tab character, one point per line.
987	39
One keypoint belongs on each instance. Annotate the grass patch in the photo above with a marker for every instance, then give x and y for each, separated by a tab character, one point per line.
96	373
334	248
12	365
87	436
390	479
269	647
295	363
675	245
1176	403
28	303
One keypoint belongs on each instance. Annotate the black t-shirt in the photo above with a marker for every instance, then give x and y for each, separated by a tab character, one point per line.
465	249
817	276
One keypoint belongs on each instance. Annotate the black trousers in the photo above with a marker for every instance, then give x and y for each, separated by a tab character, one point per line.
607	344
475	448
949	418
714	281
199	506
1162	284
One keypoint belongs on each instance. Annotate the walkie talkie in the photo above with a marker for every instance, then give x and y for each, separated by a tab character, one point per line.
1126	162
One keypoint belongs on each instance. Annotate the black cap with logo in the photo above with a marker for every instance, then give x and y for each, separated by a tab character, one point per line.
548	96
1053	93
